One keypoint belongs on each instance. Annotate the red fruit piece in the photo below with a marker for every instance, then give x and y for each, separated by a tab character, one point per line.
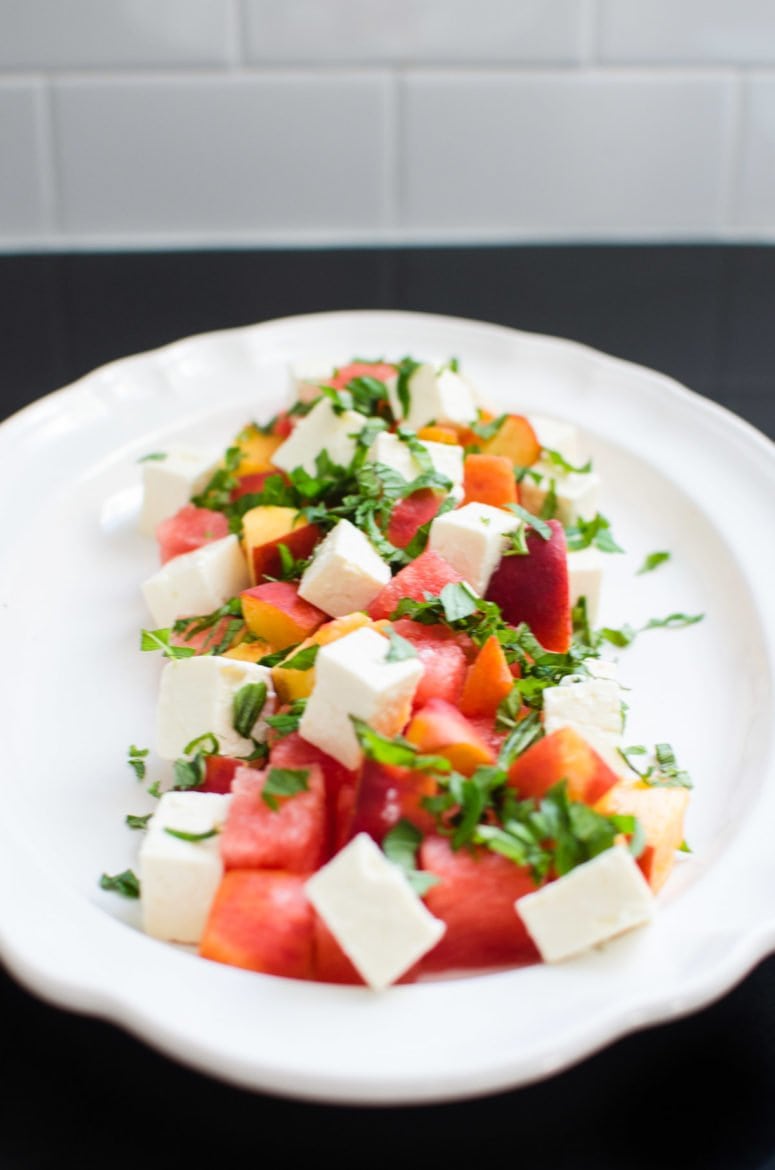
428	573
439	728
410	514
219	773
563	755
534	588
444	657
294	752
475	897
386	794
188	529
379	370
262	920
290	836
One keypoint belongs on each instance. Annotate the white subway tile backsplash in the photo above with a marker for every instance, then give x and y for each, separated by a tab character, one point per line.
99	34
564	155
322	31
223	155
23	181
712	31
755	204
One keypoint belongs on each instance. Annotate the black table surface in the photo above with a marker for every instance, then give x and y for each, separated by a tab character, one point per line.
699	1091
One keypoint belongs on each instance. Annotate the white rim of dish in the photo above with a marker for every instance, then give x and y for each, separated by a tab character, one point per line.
743	928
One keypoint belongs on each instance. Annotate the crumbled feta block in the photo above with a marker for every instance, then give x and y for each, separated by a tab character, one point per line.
576	494
372	911
178	879
443	397
345	574
472	540
353	677
197	582
585	578
320	430
592	903
196	696
446	459
169	483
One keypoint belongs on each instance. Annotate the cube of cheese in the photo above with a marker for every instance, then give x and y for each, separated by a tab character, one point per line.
197	582
196	696
585	578
558	435
576	494
346	572
472	540
353	677
178	878
446	459
372	911
169	483
444	397
321	429
591	904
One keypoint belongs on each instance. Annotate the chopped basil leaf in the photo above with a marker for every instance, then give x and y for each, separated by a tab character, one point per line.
400	845
406	368
399	648
585	533
458	601
287	722
207	744
653	561
397	751
182	835
126	883
541	527
302	659
136	760
152	457
284	782
247	705
160	640
138	822
558	460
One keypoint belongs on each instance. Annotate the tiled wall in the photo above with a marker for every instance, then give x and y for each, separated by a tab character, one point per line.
129	123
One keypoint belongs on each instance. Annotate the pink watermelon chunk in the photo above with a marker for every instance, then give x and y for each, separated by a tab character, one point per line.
189	528
290	837
429	573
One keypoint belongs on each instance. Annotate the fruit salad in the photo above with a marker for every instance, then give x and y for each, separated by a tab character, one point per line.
393	730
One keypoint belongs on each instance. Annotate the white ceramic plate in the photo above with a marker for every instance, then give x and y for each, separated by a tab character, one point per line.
679	474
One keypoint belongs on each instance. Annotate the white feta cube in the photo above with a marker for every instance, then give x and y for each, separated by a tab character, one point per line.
196	696
197	582
376	917
308	376
593	701
576	494
346	572
353	677
320	430
472	539
446	459
591	904
585	578
178	878
443	397
558	435
169	483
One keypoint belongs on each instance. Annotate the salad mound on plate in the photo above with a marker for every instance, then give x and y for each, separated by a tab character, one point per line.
395	741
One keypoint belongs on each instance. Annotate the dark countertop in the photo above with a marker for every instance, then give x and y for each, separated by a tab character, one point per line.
82	1090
